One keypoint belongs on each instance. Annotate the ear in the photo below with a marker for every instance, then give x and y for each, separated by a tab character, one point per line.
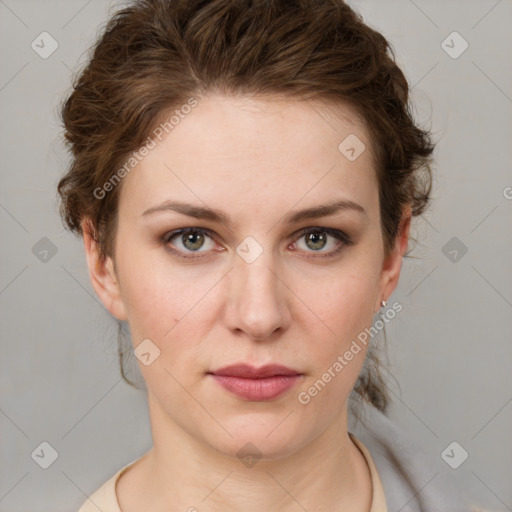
393	262
102	274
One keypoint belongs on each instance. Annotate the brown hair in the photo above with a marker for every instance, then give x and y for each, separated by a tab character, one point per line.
154	55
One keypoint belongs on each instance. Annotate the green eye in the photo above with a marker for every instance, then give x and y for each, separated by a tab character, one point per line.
191	240
187	241
316	239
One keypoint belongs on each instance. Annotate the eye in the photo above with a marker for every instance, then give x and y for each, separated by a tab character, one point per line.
186	241
189	240
317	240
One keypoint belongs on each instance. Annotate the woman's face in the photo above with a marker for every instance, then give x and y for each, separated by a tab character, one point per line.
247	285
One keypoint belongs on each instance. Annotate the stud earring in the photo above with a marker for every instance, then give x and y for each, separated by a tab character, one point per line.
383	303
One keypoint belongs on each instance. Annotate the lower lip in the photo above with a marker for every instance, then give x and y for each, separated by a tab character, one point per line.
258	389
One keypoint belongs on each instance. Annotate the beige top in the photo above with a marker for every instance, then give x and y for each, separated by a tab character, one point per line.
105	498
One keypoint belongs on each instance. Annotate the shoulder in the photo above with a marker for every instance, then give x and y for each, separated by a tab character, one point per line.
409	477
105	498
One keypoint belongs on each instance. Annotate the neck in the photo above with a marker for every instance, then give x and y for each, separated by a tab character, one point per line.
183	473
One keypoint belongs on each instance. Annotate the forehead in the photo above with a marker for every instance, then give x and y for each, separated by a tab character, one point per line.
261	149
253	122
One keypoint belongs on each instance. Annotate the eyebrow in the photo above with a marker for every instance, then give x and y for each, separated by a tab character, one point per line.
200	212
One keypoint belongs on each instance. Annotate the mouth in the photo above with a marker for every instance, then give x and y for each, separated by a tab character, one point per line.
256	384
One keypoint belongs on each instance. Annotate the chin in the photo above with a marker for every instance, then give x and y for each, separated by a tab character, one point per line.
256	438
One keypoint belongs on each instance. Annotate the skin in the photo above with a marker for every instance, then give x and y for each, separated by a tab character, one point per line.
256	160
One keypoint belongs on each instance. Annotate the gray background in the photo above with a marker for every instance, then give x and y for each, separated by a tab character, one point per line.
450	348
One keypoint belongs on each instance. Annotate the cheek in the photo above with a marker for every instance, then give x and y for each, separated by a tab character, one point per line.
164	308
176	310
159	294
338	352
344	304
342	300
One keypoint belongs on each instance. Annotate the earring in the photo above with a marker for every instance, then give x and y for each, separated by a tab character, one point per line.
383	303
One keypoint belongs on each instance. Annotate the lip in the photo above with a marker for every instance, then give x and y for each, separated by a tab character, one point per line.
251	372
256	384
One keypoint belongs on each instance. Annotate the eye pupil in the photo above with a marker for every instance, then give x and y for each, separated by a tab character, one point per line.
315	238
191	237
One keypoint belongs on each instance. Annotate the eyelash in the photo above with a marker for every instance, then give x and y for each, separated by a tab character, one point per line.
340	235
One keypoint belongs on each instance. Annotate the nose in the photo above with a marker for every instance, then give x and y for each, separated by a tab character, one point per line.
258	301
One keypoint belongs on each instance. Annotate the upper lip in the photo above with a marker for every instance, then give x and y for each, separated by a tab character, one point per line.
250	372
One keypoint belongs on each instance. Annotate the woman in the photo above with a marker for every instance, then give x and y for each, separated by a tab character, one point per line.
244	176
